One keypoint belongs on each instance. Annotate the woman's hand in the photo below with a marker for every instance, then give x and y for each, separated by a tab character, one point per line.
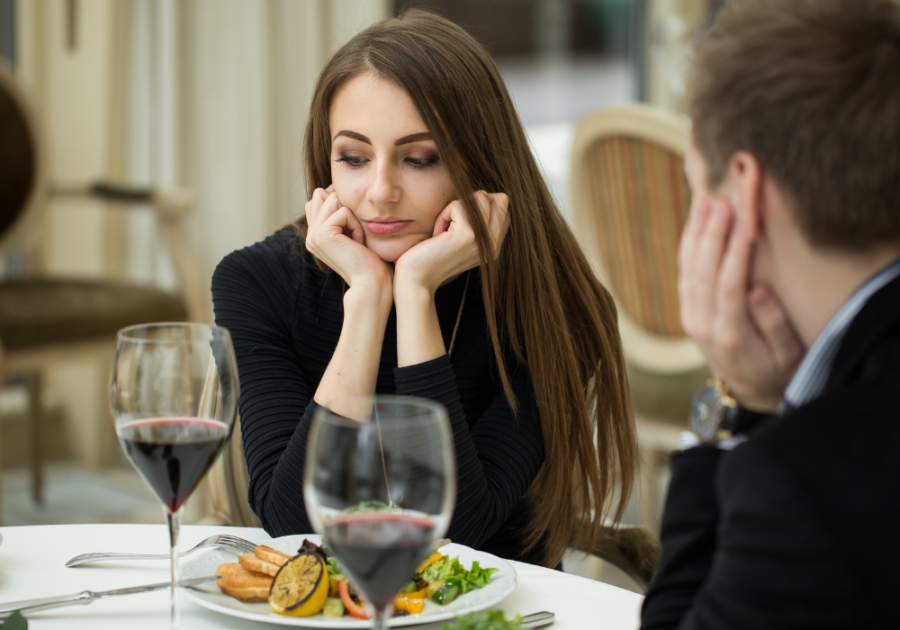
453	249
423	268
742	329
336	237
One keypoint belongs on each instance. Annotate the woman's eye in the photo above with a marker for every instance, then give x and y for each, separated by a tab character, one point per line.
423	162
351	160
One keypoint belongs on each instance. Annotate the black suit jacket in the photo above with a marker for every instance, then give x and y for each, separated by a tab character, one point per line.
799	527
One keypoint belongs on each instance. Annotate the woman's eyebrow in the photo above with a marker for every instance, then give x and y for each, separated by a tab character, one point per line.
423	135
415	137
351	134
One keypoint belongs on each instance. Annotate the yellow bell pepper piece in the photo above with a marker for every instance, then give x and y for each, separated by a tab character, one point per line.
417	594
410	604
427	562
415	606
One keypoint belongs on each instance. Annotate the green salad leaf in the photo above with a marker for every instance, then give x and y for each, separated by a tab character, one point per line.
484	620
14	622
450	571
334	569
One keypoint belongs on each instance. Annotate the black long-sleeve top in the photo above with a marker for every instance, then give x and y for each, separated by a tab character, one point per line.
285	318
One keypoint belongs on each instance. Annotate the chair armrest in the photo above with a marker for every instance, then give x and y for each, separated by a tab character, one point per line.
121	193
635	550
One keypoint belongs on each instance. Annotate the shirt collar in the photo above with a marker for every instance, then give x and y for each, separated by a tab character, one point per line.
809	380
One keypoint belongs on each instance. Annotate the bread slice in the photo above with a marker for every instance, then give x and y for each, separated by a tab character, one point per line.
272	555
252	563
243	584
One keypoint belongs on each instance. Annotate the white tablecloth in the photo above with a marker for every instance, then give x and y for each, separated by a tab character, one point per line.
32	564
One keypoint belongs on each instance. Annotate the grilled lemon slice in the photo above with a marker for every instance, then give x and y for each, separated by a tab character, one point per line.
300	587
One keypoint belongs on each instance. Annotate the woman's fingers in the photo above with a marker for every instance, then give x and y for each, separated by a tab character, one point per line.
351	225
322	205
494	209
444	219
499	219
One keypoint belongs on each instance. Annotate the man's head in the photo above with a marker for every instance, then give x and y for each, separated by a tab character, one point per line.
809	89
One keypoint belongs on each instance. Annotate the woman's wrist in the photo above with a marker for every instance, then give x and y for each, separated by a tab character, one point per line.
418	329
366	299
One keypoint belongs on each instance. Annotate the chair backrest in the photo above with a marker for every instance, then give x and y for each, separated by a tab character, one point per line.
229	483
21	167
630	203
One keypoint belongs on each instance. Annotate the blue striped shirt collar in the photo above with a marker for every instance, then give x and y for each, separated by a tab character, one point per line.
809	380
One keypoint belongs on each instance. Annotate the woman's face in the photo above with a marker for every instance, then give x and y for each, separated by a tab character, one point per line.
384	165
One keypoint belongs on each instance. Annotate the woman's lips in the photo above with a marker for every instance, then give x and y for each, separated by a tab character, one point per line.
386	227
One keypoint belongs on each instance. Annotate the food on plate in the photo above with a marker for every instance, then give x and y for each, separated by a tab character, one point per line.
484	620
274	556
313	582
334	608
300	587
250	562
352	602
243	584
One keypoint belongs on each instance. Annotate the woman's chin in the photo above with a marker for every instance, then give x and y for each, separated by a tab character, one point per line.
390	250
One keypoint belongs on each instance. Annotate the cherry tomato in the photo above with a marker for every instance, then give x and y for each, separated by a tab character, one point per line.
352	607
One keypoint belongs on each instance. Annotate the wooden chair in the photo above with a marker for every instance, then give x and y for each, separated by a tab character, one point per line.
229	483
630	202
46	319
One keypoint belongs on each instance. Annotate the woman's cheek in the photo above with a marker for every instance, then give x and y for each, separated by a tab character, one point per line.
349	191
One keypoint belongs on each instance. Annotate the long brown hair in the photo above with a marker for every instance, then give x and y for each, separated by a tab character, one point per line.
541	298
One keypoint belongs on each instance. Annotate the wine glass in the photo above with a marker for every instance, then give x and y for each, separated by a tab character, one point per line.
381	490
173	397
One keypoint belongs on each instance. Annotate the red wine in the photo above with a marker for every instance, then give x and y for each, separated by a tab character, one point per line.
379	551
173	454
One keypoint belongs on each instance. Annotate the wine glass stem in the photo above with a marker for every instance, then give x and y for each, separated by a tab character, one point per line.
379	618
174	521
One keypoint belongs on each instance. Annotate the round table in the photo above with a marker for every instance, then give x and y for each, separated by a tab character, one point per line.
32	564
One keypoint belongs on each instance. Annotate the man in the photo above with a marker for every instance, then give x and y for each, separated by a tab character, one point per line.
787	514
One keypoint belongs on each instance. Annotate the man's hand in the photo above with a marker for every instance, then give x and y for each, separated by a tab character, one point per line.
743	330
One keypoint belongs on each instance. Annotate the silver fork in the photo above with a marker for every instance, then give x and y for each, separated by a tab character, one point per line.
220	541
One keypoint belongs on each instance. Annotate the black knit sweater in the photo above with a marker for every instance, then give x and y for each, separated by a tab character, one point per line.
285	318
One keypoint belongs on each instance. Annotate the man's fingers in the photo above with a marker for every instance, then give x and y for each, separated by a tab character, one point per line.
687	245
772	321
701	277
733	281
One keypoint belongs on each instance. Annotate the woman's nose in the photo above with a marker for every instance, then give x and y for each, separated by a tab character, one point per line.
383	188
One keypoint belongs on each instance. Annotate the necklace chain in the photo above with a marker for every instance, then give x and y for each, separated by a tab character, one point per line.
462	303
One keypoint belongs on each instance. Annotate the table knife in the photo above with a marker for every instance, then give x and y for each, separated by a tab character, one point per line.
86	597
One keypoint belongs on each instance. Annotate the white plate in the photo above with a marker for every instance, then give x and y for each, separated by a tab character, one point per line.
502	583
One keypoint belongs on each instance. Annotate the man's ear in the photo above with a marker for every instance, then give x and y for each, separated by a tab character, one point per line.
741	186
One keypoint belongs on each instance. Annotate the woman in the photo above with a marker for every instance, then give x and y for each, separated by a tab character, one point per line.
433	262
